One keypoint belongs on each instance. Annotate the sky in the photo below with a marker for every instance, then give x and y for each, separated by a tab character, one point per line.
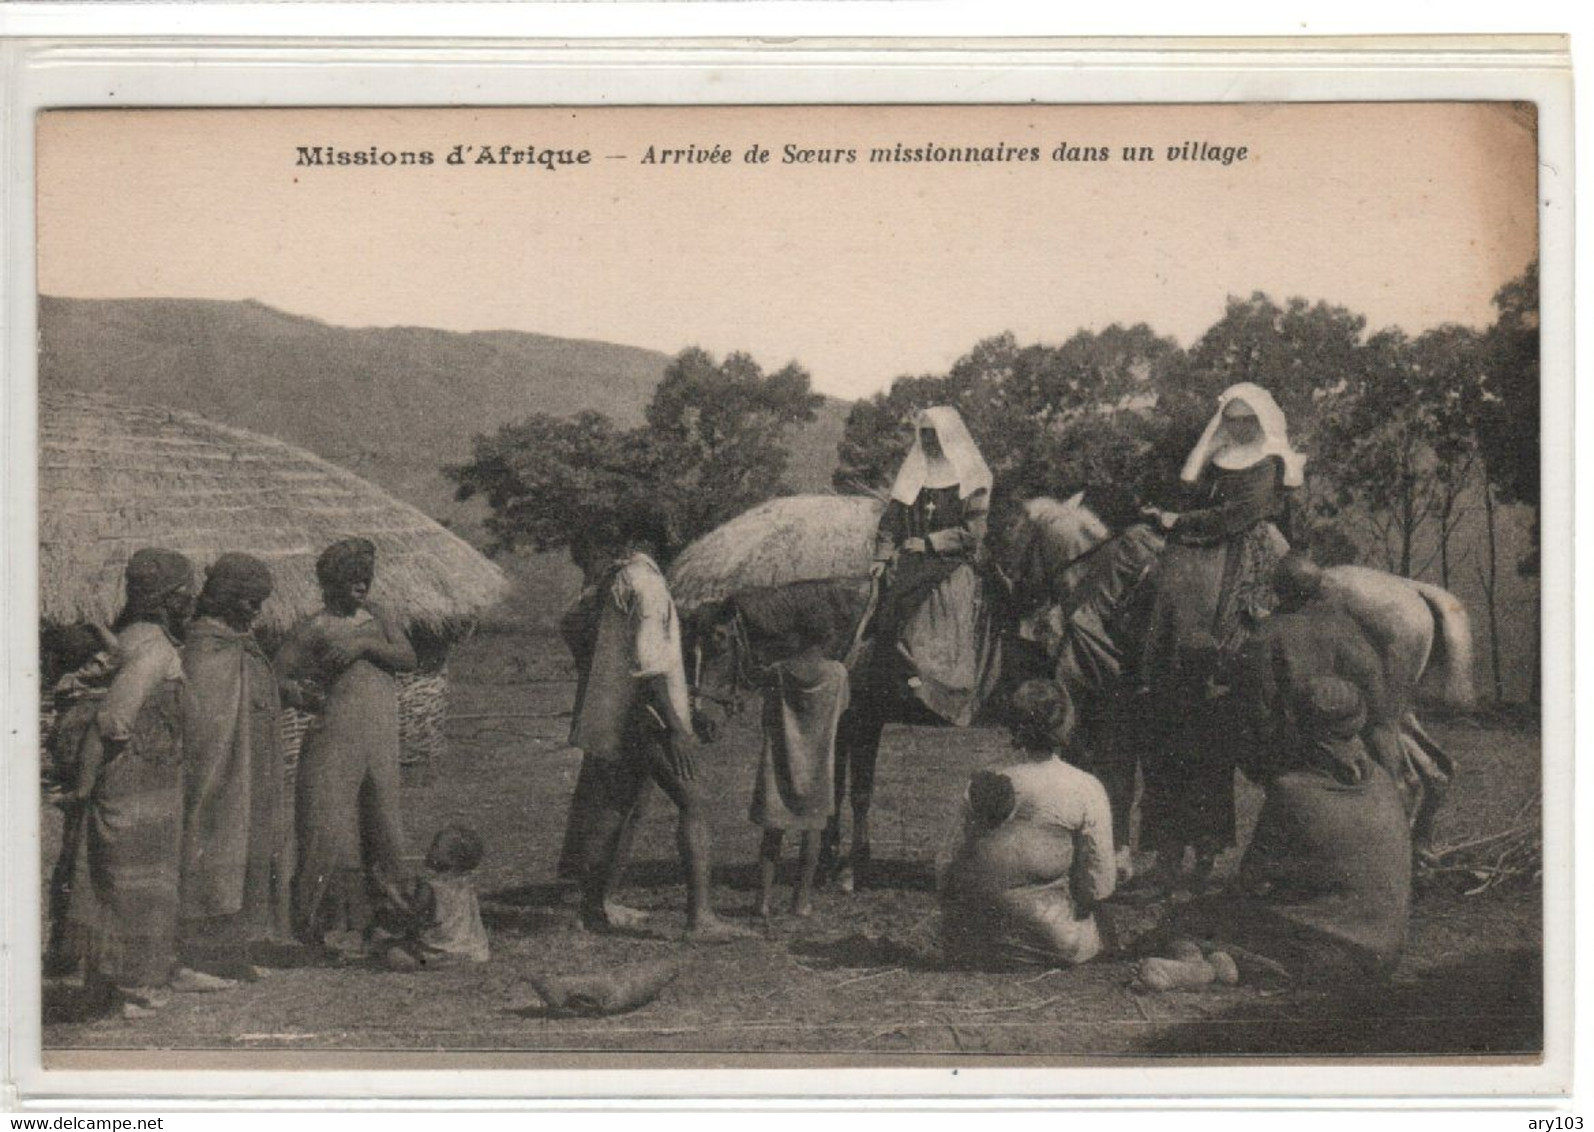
1412	214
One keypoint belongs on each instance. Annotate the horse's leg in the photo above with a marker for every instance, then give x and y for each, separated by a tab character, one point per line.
863	728
830	840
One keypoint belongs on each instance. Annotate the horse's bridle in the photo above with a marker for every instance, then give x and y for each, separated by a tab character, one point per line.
1035	564
741	677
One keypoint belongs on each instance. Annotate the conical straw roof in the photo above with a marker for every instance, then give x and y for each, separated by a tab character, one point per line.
114	477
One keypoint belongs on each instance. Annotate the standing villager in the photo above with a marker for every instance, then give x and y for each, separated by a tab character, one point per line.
1032	854
1325	886
237	826
634	723
124	900
340	664
91	658
594	552
1213	587
1097	672
931	629
805	693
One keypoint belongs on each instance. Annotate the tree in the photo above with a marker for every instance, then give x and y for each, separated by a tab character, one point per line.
878	434
1508	411
1048	419
721	428
1297	352
1373	445
713	445
1394	445
544	477
1448	369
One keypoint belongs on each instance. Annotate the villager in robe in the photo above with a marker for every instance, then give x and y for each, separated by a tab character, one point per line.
237	828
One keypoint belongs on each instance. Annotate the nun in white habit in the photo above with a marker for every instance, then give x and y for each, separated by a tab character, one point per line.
1214	585
932	628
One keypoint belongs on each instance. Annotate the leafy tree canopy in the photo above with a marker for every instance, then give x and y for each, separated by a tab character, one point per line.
713	446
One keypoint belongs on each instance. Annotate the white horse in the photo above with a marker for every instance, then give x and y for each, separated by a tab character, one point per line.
1421	632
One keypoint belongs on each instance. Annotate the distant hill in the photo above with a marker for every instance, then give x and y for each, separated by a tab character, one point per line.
393	404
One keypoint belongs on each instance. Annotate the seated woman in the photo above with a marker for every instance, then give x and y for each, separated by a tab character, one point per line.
932	634
1325	887
1033	853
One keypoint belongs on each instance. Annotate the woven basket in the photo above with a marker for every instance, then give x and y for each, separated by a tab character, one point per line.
423	711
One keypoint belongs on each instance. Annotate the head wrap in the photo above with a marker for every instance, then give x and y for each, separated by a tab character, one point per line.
240	577
1275	440
1331	714
972	473
152	576
345	561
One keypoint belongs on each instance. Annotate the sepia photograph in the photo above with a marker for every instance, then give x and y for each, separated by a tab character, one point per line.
1026	584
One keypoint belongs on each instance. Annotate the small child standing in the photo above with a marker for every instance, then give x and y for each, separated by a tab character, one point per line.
439	919
805	693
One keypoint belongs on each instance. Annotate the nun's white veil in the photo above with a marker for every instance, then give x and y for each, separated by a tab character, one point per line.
958	449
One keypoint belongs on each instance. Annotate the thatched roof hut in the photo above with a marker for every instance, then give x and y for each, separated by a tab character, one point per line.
796	538
114	477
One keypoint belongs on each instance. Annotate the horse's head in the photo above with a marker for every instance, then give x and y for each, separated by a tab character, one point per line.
1045	550
716	654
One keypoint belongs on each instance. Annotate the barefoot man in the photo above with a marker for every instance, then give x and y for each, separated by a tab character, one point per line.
633	722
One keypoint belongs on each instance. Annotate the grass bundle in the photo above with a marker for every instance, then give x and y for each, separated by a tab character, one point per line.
796	538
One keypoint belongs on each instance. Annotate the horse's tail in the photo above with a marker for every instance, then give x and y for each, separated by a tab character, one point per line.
1448	674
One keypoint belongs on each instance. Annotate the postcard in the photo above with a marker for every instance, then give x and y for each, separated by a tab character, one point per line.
1036	585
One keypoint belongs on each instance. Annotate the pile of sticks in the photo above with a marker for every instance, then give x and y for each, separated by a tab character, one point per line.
1515	853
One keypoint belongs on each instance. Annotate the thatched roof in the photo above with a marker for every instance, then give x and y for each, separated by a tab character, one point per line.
114	477
796	538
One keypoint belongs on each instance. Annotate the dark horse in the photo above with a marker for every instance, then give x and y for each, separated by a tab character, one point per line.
727	640
1419	631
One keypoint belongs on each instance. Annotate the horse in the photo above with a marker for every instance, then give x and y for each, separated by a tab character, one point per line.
723	643
1419	632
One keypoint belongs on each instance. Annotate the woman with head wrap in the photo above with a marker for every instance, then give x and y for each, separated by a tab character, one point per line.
235	862
1212	587
340	664
122	910
1325	887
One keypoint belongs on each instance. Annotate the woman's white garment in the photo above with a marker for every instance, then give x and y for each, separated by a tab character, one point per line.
1024	889
1215	445
960	461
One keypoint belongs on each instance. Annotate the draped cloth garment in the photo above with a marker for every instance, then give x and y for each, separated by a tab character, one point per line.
797	766
1213	587
1327	880
122	909
237	824
350	837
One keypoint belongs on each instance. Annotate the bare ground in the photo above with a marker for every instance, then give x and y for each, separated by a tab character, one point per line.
859	978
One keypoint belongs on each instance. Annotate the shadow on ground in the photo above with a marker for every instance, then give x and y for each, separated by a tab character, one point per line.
1484	1004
